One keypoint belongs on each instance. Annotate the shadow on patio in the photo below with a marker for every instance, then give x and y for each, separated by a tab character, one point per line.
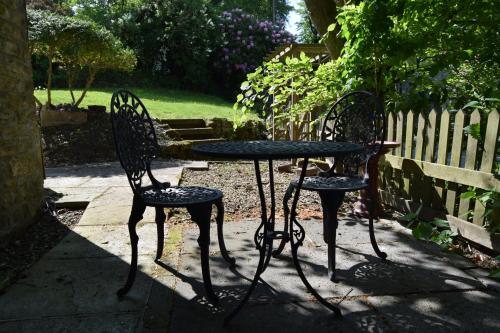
73	287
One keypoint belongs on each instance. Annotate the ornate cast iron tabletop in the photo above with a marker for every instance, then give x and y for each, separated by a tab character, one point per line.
265	150
266	233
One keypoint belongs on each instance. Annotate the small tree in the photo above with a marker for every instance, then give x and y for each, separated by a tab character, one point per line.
97	49
77	45
48	32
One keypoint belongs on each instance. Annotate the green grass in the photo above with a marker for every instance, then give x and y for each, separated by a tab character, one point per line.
161	103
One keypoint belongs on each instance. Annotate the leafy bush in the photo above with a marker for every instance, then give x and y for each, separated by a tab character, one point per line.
490	200
436	231
291	89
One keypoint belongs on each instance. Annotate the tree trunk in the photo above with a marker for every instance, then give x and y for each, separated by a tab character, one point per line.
323	13
21	166
70	74
90	79
49	79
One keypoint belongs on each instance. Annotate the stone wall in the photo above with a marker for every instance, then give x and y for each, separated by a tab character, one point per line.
21	173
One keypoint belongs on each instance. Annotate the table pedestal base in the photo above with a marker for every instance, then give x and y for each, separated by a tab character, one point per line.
265	235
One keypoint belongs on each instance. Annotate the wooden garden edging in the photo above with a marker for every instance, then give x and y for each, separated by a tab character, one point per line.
437	162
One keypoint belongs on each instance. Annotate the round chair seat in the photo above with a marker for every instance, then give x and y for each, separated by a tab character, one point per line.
334	183
175	196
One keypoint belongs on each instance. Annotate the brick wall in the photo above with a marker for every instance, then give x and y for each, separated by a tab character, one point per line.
21	180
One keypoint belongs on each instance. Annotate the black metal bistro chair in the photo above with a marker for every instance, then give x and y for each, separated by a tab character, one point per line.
136	146
356	117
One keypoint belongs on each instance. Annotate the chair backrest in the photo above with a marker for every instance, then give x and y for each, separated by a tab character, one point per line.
134	134
356	117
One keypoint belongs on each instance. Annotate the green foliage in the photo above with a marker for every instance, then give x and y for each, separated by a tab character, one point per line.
179	43
422	47
286	82
76	45
436	231
297	86
491	202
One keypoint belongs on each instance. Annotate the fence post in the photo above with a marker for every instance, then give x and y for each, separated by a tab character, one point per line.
470	160
490	143
456	150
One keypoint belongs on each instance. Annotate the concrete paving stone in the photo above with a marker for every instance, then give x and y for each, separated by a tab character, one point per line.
113	196
99	323
74	195
238	236
158	309
473	311
112	174
104	241
482	275
283	317
353	232
410	269
359	271
112	215
80	286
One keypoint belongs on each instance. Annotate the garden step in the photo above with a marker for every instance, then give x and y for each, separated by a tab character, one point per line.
182	149
184	123
191	133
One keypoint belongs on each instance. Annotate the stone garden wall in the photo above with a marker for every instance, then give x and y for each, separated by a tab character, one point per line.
21	170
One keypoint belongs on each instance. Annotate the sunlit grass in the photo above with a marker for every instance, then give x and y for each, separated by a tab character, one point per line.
161	103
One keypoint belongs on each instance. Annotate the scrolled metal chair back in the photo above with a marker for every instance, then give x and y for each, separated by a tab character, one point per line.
356	117
134	135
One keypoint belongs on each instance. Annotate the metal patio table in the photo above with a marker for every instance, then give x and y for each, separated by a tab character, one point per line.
266	233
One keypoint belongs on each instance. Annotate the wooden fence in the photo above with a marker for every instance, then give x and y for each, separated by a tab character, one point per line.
436	161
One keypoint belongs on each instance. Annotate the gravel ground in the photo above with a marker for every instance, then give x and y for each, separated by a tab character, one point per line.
26	249
241	198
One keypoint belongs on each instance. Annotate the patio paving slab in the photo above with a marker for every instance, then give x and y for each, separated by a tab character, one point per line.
110	323
72	288
360	272
473	311
85	182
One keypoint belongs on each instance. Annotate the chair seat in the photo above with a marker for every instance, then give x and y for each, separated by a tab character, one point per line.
179	196
334	183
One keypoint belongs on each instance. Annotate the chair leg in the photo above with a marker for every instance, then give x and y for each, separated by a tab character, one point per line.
371	208
200	214
138	209
331	202
160	230
220	234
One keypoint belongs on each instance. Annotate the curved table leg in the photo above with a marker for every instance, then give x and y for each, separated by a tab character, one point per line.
296	240
286	213
373	240
263	238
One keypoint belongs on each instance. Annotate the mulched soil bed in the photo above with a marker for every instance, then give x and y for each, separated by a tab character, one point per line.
91	142
26	249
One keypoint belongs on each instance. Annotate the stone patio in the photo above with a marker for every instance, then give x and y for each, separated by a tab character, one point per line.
72	288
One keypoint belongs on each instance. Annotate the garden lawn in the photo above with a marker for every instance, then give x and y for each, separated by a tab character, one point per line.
161	103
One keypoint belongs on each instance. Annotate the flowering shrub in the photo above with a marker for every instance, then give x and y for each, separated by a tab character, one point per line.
243	44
